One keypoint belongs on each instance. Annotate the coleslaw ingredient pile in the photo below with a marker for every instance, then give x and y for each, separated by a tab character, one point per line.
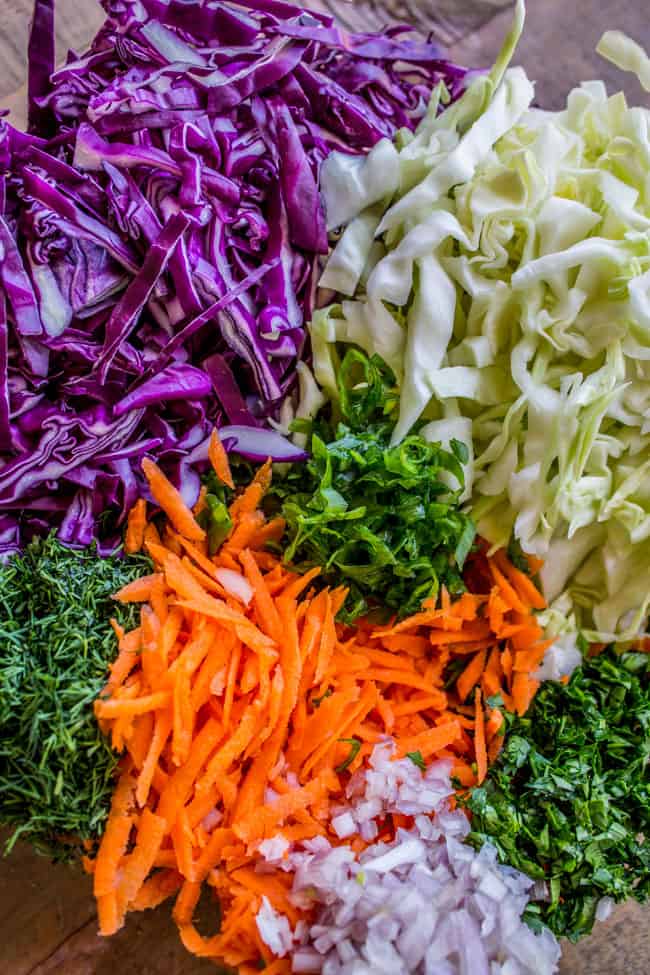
384	521
56	768
161	233
568	801
506	283
423	902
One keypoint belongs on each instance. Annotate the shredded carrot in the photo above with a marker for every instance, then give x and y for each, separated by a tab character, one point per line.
238	715
171	502
219	460
471	675
108	914
157	890
138	591
524	689
430	742
135	527
524	586
201	503
139	705
249	500
151	831
479	738
112	849
494	724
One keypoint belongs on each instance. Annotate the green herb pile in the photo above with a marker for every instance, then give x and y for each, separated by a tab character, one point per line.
384	521
569	800
55	647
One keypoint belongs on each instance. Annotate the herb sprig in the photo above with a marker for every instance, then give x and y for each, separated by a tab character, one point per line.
568	802
55	647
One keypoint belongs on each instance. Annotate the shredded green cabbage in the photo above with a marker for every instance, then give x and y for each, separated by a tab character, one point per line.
507	285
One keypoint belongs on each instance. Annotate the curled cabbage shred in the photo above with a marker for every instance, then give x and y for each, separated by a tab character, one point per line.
508	285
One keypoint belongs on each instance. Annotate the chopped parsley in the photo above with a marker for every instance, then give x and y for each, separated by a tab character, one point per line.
384	521
568	802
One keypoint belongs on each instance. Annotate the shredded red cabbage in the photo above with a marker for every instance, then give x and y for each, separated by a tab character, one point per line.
161	236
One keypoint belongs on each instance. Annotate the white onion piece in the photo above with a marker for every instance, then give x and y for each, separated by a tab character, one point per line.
235	584
274	929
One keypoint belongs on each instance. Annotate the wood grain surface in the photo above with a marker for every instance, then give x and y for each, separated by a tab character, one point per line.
47	917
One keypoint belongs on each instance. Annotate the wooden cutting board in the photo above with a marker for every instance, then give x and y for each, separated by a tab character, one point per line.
47	917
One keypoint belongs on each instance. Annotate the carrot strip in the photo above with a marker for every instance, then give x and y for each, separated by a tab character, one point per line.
494	724
414	646
524	689
140	591
437	701
507	591
230	751
430	742
151	831
479	738
140	705
161	732
157	890
182	838
494	748
151	535
219	460
214	663
402	677
529	660
266	610
202	561
471	675
135	527
524	586
138	742
180	784
327	641
467	634
247	632
158	598
124	662
212	853
271	532
464	773
246	527
233	671
300	583
492	676
170	500
183	716
250	499
110	920
115	838
507	661
186	902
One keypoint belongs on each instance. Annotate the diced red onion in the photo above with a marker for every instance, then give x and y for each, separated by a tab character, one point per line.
425	904
235	584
